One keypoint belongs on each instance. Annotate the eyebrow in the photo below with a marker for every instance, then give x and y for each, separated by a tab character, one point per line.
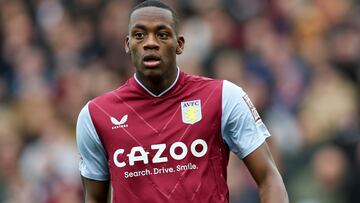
158	27
139	26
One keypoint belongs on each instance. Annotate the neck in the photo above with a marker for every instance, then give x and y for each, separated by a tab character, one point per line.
156	85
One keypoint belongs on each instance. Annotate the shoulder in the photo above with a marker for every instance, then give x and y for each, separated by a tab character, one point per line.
234	97
201	80
198	78
232	91
227	85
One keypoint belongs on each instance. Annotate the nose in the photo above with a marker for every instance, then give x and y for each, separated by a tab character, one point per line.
151	42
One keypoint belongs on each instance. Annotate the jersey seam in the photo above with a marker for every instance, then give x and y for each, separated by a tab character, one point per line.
94	176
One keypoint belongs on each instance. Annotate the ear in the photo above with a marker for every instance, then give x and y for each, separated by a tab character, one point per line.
180	44
127	47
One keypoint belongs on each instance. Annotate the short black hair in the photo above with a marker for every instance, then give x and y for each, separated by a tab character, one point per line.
158	4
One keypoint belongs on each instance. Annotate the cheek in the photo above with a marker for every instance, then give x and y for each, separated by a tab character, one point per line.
135	54
134	46
170	52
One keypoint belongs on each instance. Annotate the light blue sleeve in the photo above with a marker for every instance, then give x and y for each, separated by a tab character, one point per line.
93	161
241	127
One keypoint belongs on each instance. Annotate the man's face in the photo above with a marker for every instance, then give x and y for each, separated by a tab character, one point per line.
153	43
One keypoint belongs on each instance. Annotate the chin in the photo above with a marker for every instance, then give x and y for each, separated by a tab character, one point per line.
153	74
155	77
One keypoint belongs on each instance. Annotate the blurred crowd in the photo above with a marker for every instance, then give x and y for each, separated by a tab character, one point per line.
299	61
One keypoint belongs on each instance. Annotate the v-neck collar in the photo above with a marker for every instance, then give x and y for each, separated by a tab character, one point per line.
163	92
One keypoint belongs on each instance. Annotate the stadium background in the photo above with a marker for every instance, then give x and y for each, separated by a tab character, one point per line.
298	60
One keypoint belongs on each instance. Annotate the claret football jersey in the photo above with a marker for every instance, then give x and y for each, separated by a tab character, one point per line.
172	147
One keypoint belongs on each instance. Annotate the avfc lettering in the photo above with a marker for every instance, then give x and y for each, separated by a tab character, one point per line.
191	103
138	153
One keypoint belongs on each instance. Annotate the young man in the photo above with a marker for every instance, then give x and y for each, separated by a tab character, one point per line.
165	136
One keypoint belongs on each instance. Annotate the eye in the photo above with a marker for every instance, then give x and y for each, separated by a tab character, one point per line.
139	35
163	35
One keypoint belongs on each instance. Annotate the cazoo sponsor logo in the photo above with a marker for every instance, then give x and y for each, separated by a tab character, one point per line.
138	153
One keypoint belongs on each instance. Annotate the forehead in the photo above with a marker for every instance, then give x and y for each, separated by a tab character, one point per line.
151	15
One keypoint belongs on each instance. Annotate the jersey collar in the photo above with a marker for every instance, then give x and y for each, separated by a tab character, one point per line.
163	92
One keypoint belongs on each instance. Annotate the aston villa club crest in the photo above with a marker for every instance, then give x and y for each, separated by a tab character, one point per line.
191	111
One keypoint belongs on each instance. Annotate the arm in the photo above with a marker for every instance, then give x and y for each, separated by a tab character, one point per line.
93	161
95	191
263	169
245	134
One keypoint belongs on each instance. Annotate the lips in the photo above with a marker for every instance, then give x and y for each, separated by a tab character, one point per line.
151	60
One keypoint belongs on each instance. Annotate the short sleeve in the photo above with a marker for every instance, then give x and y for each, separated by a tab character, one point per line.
241	126
93	161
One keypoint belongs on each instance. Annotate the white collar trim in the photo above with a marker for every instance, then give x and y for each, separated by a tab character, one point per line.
163	92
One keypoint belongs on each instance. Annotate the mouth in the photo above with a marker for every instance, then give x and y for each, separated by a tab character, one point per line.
151	60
